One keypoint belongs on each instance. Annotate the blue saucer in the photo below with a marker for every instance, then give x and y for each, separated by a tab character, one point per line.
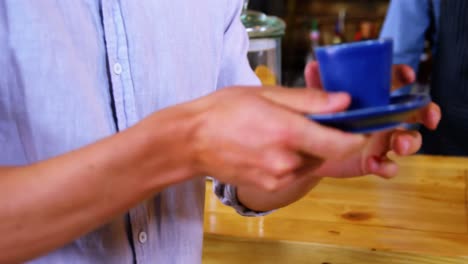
376	118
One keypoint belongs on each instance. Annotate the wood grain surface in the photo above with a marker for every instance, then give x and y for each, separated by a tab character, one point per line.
421	216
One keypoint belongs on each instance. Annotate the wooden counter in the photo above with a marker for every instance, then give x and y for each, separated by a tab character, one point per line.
421	216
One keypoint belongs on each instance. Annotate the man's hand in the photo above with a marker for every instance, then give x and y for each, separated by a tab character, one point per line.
274	155
261	137
373	158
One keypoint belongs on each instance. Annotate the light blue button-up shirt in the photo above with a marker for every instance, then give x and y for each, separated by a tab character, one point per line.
407	22
76	71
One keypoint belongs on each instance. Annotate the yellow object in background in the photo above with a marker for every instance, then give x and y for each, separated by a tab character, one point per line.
266	76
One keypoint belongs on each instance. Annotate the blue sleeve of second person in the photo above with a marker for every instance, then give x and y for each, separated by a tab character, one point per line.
406	23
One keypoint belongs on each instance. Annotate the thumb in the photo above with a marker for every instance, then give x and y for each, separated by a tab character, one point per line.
312	75
307	101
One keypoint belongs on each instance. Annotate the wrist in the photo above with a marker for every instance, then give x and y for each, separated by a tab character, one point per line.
164	149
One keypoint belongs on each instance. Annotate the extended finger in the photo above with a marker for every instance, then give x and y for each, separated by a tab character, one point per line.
309	165
320	141
308	101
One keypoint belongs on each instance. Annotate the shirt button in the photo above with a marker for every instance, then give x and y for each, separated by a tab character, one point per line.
117	68
142	237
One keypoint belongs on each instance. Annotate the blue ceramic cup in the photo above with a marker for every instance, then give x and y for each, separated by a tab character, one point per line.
362	69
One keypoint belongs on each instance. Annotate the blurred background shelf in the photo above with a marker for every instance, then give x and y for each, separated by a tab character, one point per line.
299	14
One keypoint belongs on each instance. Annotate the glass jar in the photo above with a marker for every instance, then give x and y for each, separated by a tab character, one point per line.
265	33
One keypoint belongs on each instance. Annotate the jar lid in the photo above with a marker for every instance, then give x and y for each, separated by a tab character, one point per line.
259	25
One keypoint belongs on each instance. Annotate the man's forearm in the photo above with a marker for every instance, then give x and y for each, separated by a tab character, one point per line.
45	205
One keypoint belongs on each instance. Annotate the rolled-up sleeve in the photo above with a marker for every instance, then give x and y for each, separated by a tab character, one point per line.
235	70
227	194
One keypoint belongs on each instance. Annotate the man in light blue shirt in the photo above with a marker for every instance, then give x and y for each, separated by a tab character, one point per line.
112	114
